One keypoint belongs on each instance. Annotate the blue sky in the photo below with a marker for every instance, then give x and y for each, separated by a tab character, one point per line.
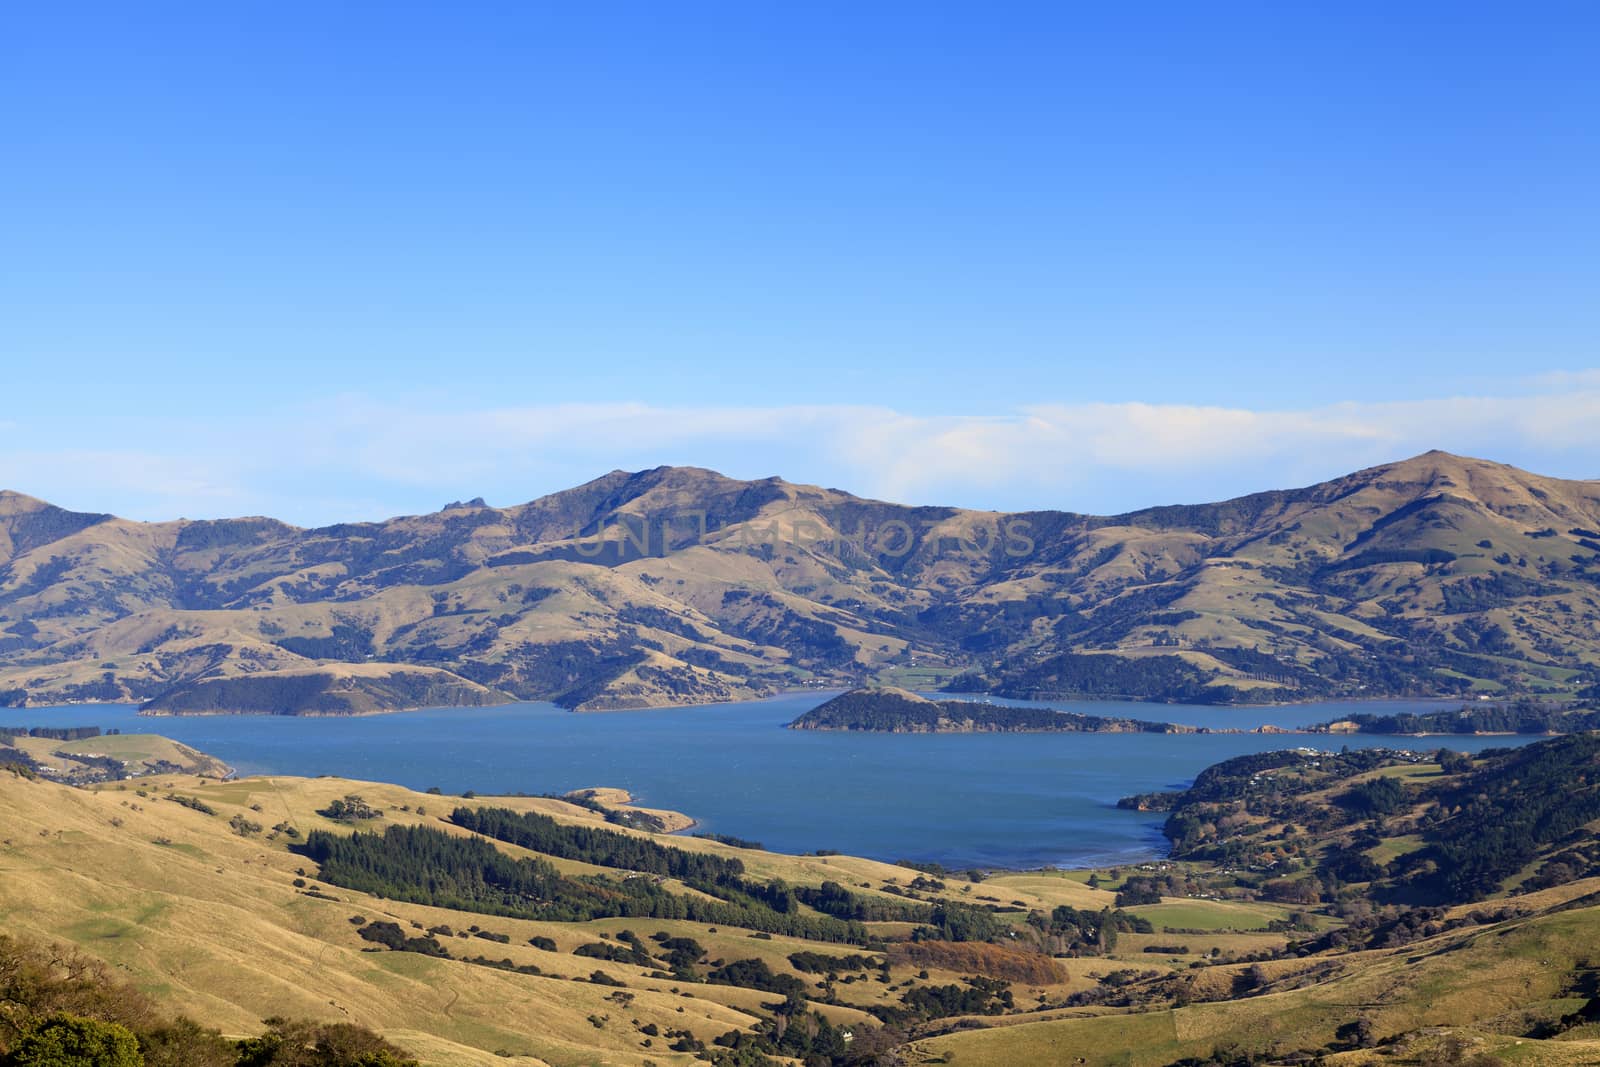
343	261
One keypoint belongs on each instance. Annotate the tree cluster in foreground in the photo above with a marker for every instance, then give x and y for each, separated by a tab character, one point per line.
61	1009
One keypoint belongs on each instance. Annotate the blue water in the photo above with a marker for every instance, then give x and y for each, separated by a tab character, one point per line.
996	800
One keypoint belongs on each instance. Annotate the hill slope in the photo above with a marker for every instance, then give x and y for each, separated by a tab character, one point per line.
1436	575
219	900
338	913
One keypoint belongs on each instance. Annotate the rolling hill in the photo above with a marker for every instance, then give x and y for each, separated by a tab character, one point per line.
1439	575
548	931
82	756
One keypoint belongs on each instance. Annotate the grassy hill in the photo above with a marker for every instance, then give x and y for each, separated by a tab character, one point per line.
1398	827
108	757
1436	575
235	901
1457	1000
191	889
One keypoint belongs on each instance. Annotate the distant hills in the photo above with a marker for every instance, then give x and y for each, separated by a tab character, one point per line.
887	710
1439	575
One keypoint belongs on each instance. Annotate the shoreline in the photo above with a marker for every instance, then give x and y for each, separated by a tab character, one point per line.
621	799
617	799
1265	730
779	694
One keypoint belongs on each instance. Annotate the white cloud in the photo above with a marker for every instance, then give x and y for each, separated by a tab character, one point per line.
1062	445
1567	379
351	457
164	481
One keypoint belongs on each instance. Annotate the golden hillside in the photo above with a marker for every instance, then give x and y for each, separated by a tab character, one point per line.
199	893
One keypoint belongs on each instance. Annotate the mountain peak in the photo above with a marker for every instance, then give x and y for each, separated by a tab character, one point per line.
13	502
27	522
1439	458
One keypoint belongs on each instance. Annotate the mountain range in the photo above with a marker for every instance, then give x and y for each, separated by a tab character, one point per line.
1435	576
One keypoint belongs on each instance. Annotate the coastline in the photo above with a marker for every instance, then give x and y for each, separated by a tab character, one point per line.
613	798
822	694
681	824
701	762
1265	730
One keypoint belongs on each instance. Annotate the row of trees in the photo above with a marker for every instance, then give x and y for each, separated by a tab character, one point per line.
53	733
717	875
594	845
428	866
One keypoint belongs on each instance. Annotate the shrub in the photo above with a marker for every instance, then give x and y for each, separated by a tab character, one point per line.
243	826
351	808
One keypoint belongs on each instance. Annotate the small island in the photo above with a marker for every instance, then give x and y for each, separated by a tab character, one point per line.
900	711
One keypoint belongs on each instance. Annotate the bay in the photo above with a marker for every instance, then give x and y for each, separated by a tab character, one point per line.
963	800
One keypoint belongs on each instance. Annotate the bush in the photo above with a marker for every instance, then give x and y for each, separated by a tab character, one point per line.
185	1043
192	803
306	1044
243	826
351	808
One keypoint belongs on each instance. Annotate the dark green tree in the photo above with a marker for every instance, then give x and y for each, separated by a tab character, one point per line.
72	1041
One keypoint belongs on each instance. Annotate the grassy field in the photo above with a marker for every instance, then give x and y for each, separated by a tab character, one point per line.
1393	848
215	923
917	679
1050	888
1210	915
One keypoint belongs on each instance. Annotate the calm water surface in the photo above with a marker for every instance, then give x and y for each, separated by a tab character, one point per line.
999	800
